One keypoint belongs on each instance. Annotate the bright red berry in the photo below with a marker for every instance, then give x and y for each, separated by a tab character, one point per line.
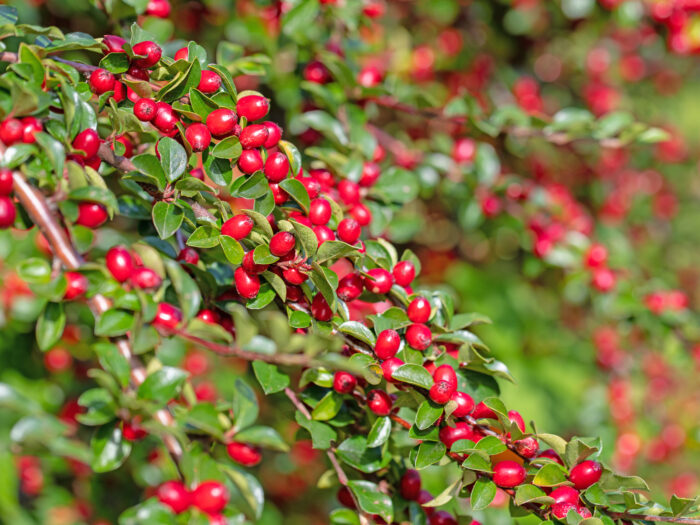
527	447
101	81
210	497
76	285
208	316
165	118
175	495
317	73
210	82
244	453
323	234
274	134
58	360
516	418
449	435
320	211
88	141
378	281
281	244
344	382
419	336
603	279
150	53
91	214
145	109
294	276
320	309
585	474
388	343
465	404
250	266
442	517
252	107
419	310
464	151
276	167
30	127
404	272
254	136
369	76
441	392
370	174
198	136
565	495
389	366
410	485
445	373
350	287
560	510
10	131
145	279
250	161
596	256
248	285
120	263
167	318
508	474
379	402
6	181
188	255
238	226
349	231
182	54
222	122
361	214
158	8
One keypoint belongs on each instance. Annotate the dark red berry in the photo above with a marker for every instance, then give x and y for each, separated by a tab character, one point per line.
6	181
350	287
441	392
120	263
252	107
101	81
344	382
88	141
198	136
188	255
250	161
210	497
210	82
560	510
585	474
274	134
410	485
276	167
222	122
254	136
145	109
145	279
379	402
281	244
317	73
248	285
442	517
551	454
76	285
388	343
345	497
91	214
238	226
150	51
508	474
418	310
244	453
404	272
419	336
138	73
167	318
320	309
175	495
114	43
378	281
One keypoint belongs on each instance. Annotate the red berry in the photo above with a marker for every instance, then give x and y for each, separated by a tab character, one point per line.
481	411
379	402
250	161
210	82
30	127
565	495
281	244
8	213
198	136
370	174
388	343
317	73
128	146
378	281
101	81
165	118
442	517
114	44
248	285
345	497
119	263
150	51
441	392
324	178
11	131
88	141
76	285
527	447
276	167
549	453
91	214
145	279
361	214
320	211
167	318
369	77
508	474
465	404
58	360
313	187
410	485
445	373
350	287
182	54
389	366
323	234
419	336
252	107
596	256
244	454
158	8
210	497
254	136
585	474
404	272
274	134
250	266
294	276
6	181
516	418
603	279
461	430
145	109
222	122
188	255
238	226
138	74
344	382
560	510
349	231
132	431
175	495
419	310
464	151
320	309
208	316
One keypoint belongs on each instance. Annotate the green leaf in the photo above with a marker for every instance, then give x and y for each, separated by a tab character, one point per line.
358	331
109	449
680	506
530	494
202	104
230	148
250	187
428	413
270	378
326	125
173	158
249	496
167	218
292	153
371	499
491	445
550	475
56	153
328	407
265	437
101	408
188	294
113	323
446	495
245	405
429	453
204	237
205	417
414	375
162	385
96	194
297	20
308	240
34	270
232	249
380	432
50	325
322	435
150	512
297	191
478	461
115	62
331	250
482	494
218	170
354	452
